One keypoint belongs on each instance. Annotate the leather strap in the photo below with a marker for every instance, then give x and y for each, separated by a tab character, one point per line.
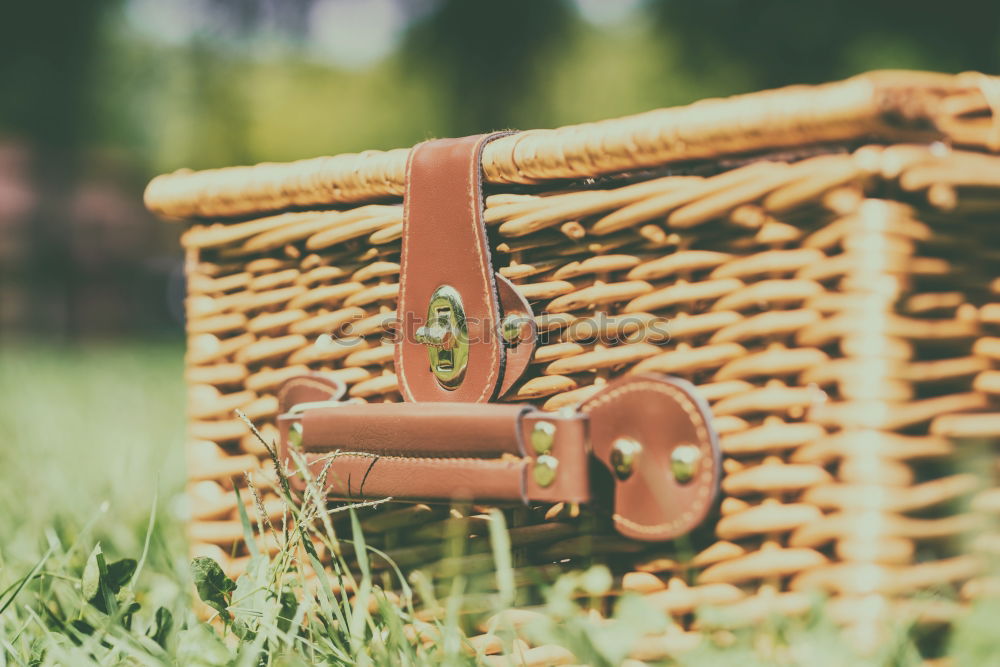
452	465
445	243
357	477
516	453
441	430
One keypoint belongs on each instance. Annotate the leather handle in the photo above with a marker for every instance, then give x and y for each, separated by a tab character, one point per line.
651	432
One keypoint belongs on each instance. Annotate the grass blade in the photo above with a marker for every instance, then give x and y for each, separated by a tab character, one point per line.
245	522
500	543
25	579
360	548
149	536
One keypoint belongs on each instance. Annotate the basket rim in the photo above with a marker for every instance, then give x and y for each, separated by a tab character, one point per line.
885	105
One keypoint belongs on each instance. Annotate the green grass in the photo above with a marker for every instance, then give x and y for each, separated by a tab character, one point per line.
89	439
94	569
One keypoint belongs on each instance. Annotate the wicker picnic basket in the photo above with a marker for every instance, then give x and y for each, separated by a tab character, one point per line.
827	260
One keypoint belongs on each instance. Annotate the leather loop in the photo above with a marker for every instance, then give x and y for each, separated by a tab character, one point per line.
570	453
303	390
309	388
444	243
652	419
517	354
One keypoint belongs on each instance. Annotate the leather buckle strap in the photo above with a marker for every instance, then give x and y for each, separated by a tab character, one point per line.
651	433
452	307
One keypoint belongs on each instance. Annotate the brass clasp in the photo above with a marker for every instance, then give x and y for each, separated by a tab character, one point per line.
446	337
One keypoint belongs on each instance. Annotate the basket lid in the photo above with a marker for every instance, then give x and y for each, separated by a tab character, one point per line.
882	106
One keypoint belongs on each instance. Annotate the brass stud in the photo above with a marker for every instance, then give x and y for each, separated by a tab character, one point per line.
684	462
624	453
514	329
542	437
544	471
295	435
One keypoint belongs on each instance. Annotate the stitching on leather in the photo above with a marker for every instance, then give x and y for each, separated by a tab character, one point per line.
706	478
485	265
427	459
400	367
402	454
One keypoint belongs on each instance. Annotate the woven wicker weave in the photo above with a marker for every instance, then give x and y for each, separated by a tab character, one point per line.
827	258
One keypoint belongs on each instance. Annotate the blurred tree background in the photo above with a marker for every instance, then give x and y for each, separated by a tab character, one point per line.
97	96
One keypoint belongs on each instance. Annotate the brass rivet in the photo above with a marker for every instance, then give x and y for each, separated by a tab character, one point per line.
544	471
514	329
542	437
295	434
684	462
624	453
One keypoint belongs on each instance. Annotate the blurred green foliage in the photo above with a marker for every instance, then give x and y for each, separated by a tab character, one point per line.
245	85
86	427
101	95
